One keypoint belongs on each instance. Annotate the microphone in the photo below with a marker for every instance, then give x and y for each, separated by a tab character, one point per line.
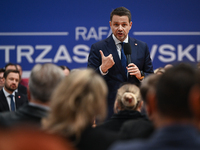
127	52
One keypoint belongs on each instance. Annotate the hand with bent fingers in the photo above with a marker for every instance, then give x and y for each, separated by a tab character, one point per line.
133	70
107	62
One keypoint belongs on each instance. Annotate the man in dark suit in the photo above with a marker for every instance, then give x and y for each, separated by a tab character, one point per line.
42	82
107	56
171	113
20	89
1	78
9	99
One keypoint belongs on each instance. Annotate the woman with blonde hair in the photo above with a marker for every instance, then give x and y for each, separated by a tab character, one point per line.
128	104
74	104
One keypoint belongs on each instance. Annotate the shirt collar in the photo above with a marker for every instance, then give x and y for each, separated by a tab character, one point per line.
7	94
118	41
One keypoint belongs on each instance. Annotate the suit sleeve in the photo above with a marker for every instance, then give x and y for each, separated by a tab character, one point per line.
94	59
148	66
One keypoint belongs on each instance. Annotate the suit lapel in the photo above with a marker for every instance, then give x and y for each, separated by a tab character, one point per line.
134	49
17	100
113	50
3	101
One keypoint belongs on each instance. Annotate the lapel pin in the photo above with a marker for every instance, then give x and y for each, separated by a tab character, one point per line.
19	96
135	44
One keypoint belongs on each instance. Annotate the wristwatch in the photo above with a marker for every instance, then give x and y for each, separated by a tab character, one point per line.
142	75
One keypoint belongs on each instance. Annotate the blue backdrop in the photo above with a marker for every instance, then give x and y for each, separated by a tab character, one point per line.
62	31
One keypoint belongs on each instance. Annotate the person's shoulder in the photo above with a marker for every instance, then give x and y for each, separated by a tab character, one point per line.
6	117
20	95
129	145
145	121
104	41
137	41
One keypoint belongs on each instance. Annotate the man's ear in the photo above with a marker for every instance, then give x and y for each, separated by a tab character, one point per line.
151	104
131	23
116	107
110	23
140	105
194	101
28	93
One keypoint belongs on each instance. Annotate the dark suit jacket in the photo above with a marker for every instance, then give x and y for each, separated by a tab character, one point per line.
174	137
95	139
140	128
116	121
140	56
22	89
27	114
20	99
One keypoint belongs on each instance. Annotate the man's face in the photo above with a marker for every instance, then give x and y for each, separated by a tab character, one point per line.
120	26
11	82
2	81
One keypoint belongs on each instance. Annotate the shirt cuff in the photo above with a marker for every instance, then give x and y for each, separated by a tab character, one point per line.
102	71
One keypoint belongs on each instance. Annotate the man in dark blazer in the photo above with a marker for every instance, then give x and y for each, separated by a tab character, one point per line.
21	89
11	78
42	82
105	56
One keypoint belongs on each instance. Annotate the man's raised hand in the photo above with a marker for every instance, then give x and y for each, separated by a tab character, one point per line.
107	62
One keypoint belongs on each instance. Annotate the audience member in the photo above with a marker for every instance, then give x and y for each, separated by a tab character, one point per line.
141	128
127	106
167	66
66	70
198	65
43	80
1	78
9	99
195	100
20	89
171	113
31	139
75	103
159	70
23	82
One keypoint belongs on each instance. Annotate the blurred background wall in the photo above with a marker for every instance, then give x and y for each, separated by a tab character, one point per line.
62	31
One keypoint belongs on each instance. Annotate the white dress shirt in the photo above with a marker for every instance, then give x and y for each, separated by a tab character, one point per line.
8	98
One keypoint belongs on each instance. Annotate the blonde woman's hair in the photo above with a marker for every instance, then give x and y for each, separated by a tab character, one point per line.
75	103
128	97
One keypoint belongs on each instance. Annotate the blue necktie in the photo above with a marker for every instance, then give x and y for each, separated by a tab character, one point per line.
12	103
123	58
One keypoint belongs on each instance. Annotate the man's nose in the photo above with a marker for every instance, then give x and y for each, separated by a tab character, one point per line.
14	81
120	27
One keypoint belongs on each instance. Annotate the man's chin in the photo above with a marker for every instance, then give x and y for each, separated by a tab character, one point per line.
12	89
120	38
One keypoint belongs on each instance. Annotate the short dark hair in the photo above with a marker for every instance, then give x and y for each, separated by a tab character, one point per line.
121	11
173	89
150	82
6	73
11	64
2	70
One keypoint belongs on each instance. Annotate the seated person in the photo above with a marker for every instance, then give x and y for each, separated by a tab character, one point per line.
172	115
127	106
74	104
